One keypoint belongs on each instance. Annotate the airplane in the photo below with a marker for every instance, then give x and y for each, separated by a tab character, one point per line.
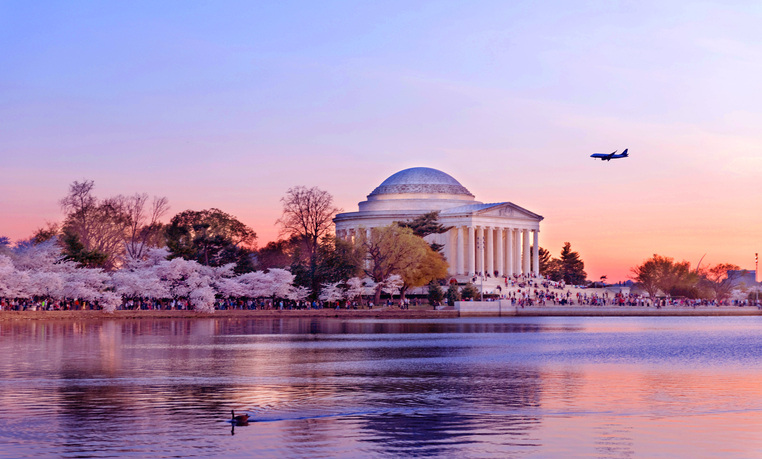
610	156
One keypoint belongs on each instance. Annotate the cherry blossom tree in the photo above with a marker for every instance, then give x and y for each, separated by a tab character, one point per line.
332	292
392	284
355	288
299	293
13	284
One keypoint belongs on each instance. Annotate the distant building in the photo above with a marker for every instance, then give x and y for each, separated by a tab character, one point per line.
745	276
485	238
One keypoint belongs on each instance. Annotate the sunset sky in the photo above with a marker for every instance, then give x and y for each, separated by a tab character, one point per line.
228	104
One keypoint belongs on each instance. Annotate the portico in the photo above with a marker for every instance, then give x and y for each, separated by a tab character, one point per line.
493	240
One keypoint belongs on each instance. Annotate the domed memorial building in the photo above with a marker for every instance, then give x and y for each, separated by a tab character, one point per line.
485	238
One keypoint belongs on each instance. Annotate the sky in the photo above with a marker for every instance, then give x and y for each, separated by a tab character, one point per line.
229	104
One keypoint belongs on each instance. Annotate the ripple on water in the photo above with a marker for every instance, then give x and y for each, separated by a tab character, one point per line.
497	387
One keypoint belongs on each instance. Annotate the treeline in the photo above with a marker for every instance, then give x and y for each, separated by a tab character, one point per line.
108	251
662	276
568	267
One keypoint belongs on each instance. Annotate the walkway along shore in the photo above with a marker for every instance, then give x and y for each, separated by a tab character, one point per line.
387	313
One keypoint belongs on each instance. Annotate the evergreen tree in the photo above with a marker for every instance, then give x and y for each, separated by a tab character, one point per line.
435	293
469	291
573	266
544	260
452	294
426	224
212	238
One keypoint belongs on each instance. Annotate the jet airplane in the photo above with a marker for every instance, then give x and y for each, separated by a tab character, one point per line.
610	156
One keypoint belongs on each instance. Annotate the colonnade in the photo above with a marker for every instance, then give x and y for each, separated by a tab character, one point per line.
481	249
496	251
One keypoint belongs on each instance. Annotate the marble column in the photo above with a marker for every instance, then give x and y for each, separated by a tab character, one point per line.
471	251
517	251
526	259
460	253
480	249
500	262
536	253
509	252
490	251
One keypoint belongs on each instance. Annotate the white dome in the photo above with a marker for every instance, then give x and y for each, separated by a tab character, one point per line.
420	180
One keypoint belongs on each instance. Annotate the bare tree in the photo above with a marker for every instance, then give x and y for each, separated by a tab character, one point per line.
308	214
722	279
99	232
144	226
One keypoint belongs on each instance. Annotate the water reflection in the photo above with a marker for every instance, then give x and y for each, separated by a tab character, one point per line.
498	387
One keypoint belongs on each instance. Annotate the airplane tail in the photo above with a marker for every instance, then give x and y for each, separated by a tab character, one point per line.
624	153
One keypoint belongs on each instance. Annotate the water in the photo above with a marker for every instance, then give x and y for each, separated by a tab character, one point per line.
470	388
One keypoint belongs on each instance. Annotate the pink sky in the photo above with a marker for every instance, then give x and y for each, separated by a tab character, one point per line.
229	107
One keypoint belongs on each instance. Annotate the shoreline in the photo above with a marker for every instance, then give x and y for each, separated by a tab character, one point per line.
545	311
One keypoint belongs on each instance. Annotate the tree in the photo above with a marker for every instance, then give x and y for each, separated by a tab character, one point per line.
469	291
276	254
425	225
573	266
308	214
332	292
100	232
338	259
647	275
677	279
144	229
93	230
435	294
212	238
544	260
660	273
46	233
392	250
452	294
75	251
721	279
432	267
392	285
555	270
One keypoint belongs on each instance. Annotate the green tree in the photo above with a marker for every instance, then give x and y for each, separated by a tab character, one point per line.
276	254
555	270
212	238
435	293
338	260
452	294
425	225
75	250
469	291
573	266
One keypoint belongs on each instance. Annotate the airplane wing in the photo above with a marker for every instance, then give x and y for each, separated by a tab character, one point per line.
603	155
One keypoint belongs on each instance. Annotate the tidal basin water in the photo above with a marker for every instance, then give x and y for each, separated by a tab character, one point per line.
464	388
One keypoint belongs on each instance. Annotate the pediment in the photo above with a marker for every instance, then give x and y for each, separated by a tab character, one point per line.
508	210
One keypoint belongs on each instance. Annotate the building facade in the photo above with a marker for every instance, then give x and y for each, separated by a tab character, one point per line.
485	239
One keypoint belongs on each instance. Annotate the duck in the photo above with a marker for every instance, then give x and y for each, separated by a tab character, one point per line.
240	419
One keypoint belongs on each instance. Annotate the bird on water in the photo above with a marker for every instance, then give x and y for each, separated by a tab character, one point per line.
240	419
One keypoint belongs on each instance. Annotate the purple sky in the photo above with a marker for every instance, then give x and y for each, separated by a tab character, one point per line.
228	104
